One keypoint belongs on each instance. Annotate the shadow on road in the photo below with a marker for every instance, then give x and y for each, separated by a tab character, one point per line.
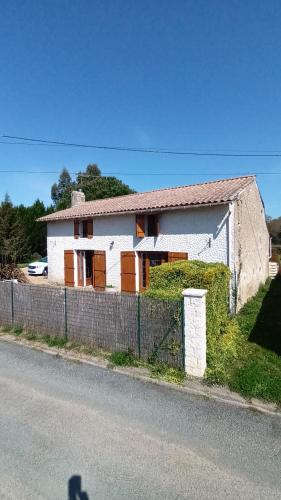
267	329
74	489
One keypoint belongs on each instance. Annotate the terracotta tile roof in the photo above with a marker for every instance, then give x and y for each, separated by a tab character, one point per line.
209	193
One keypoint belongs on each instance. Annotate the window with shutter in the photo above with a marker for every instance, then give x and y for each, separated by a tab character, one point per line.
140	225
152	225
90	231
87	228
76	229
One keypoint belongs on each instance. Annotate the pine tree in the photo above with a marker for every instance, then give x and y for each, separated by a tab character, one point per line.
61	191
13	242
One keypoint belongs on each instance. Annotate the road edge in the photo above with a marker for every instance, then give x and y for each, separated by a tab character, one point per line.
191	386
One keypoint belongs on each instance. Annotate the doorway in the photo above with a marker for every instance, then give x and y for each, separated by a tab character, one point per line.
89	267
148	260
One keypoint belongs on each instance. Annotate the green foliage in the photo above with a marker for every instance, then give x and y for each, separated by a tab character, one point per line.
167	373
31	336
35	232
93	184
123	358
13	244
54	341
20	234
248	315
169	280
35	257
236	360
17	330
61	191
274	228
6	328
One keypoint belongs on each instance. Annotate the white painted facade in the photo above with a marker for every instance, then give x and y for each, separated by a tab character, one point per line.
234	234
204	233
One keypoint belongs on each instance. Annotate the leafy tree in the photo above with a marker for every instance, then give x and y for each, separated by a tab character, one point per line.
91	182
86	178
61	191
105	187
274	228
35	232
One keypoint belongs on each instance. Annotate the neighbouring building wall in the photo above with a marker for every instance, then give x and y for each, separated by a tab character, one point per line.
251	243
201	232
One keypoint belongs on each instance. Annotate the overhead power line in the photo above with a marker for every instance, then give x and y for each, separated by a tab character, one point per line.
143	174
29	141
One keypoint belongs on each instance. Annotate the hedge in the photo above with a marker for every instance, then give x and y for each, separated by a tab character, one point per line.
169	280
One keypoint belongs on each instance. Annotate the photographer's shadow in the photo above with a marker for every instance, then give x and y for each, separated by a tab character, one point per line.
74	489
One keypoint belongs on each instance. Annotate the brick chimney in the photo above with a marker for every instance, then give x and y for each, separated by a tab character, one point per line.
77	197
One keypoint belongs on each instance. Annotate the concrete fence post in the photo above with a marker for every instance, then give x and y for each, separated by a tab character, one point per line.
195	331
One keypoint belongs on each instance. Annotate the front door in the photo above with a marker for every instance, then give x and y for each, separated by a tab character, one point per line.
99	269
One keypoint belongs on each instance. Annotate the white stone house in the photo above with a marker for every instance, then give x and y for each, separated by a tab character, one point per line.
113	242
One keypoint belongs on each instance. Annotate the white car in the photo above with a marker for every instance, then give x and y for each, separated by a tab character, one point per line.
39	267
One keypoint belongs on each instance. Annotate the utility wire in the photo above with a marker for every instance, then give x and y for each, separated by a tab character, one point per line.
146	174
30	140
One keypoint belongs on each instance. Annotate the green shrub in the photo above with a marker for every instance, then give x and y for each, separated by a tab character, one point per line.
18	330
169	280
167	373
55	341
223	351
123	358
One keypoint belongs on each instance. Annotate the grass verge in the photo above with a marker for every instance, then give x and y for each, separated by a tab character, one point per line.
246	357
118	358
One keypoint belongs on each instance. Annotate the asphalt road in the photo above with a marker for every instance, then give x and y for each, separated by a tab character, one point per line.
126	439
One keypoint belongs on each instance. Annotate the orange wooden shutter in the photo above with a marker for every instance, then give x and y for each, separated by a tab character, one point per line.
99	269
69	267
76	229
140	226
90	229
80	268
174	256
128	272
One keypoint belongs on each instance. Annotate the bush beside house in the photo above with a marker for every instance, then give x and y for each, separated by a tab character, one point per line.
233	357
169	280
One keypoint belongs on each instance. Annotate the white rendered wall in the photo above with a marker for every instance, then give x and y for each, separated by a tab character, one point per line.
201	232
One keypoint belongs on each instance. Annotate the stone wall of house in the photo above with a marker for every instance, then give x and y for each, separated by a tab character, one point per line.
201	232
251	244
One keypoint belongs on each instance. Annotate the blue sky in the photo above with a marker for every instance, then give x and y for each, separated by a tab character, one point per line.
200	75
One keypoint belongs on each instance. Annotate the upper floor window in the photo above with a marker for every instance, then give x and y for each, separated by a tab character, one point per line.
87	229
147	225
152	225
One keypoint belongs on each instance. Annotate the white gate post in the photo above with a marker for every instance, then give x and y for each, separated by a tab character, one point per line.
195	331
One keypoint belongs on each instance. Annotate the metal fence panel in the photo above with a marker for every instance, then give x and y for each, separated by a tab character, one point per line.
5	303
151	328
106	320
39	308
161	327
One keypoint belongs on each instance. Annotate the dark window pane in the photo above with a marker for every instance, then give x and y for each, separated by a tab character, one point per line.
85	232
152	225
88	264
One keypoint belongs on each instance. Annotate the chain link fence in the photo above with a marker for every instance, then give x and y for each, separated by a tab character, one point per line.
151	328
